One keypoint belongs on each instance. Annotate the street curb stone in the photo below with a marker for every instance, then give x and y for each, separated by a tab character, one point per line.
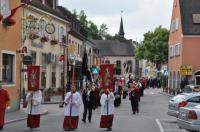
45	112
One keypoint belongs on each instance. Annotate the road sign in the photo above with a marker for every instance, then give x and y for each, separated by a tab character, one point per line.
27	60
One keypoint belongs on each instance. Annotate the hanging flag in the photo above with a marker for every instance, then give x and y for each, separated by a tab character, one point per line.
106	73
33	78
85	63
1	17
13	11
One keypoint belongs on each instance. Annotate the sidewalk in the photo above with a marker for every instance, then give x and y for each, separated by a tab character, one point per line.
165	93
19	115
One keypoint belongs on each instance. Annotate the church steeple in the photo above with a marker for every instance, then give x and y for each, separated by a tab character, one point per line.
121	29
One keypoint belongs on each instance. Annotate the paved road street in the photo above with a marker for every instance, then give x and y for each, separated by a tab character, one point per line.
152	117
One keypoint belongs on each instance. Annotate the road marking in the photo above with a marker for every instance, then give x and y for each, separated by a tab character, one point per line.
159	125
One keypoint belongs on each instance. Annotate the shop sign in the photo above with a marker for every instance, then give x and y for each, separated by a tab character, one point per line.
186	70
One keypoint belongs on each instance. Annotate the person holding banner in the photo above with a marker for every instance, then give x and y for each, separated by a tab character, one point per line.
4	103
34	99
107	109
72	109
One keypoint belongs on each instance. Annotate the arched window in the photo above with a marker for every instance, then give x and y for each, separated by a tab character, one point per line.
130	66
61	34
107	62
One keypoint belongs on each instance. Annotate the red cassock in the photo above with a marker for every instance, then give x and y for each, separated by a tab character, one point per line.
33	121
71	122
4	98
106	121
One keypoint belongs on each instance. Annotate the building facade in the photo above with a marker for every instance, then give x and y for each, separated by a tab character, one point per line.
183	44
44	31
10	41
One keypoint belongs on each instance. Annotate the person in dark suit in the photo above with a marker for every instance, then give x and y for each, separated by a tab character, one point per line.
88	102
134	97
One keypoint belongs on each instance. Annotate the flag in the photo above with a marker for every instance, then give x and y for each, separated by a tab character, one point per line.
33	78
85	63
106	73
85	70
13	11
1	17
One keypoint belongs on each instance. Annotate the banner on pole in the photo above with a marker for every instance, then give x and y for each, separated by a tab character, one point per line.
33	78
107	76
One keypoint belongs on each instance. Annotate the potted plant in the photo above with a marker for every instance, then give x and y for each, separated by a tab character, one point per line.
54	41
8	22
33	36
44	39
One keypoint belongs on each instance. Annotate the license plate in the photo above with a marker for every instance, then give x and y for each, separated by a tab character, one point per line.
183	115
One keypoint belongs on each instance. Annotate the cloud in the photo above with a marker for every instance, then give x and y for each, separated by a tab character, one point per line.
139	16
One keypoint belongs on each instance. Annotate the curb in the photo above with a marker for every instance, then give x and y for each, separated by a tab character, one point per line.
59	102
24	118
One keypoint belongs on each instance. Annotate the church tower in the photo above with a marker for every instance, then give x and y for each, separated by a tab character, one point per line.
121	29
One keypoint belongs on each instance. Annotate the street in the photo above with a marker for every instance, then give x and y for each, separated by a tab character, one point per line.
152	117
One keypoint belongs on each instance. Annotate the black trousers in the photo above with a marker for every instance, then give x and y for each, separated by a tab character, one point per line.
135	106
87	108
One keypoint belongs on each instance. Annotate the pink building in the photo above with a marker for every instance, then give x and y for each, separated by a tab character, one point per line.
184	44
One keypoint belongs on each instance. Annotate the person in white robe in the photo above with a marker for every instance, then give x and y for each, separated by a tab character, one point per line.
107	109
34	99
71	110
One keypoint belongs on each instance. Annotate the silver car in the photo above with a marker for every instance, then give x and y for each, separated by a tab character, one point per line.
182	100
189	118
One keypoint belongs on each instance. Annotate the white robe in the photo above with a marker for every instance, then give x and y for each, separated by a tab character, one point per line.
111	108
76	101
36	103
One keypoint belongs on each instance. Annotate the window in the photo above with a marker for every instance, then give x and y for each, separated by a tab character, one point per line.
176	24
118	63
8	68
53	79
61	34
129	66
33	55
107	62
196	18
4	6
44	60
194	99
43	80
78	49
177	49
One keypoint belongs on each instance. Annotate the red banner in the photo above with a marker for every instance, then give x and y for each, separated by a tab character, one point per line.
107	72
33	78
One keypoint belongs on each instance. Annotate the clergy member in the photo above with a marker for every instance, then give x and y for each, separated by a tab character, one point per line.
72	109
4	103
107	109
34	99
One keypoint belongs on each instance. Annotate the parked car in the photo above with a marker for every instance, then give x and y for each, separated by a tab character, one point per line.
191	88
182	100
189	118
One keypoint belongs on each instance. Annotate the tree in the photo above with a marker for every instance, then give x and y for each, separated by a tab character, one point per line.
103	31
83	18
93	32
154	48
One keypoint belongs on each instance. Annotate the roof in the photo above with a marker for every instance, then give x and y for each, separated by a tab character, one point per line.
115	47
44	7
187	9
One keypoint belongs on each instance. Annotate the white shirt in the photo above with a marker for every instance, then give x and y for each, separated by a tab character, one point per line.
107	101
35	109
76	101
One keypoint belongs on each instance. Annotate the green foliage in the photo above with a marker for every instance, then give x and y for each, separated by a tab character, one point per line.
154	48
93	31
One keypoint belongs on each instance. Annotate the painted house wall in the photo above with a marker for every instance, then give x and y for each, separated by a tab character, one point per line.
9	43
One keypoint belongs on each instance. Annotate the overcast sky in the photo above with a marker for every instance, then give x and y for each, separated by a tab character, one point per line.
139	16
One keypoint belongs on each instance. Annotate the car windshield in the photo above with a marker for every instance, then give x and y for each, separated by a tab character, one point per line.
187	89
178	98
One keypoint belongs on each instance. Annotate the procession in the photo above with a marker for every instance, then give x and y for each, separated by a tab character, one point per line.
109	97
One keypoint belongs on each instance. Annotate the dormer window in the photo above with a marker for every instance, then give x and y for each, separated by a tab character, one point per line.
196	18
